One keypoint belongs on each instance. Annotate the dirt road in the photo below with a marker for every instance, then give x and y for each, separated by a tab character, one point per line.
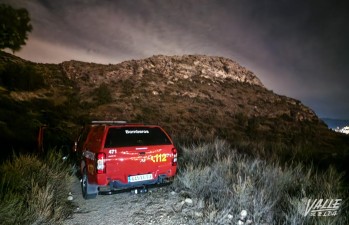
157	206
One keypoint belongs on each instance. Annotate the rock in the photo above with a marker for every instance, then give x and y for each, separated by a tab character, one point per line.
188	201
173	193
240	222
70	197
243	214
201	204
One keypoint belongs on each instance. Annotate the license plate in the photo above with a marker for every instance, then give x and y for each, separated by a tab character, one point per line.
140	178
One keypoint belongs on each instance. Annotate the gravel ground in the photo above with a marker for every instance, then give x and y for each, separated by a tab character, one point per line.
159	205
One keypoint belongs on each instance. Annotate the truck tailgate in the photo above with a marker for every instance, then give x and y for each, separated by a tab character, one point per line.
132	164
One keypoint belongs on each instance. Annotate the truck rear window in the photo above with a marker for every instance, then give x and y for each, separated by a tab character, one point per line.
135	136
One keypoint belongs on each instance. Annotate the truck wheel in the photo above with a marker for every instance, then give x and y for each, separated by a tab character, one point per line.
88	191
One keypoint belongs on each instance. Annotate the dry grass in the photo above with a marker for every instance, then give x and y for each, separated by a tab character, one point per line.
227	182
34	190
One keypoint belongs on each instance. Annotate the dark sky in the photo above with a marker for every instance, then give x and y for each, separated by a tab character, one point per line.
297	48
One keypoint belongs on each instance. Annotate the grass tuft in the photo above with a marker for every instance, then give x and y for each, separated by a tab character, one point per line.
34	190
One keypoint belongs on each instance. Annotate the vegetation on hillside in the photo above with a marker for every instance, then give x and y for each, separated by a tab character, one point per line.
21	77
34	96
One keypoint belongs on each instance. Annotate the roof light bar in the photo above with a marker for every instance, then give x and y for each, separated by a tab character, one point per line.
108	122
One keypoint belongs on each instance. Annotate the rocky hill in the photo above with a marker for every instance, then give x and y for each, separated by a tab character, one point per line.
194	97
207	81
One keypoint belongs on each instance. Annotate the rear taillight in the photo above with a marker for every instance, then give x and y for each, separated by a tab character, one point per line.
174	160
100	163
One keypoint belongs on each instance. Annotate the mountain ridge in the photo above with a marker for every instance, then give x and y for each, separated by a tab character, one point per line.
186	66
191	69
194	97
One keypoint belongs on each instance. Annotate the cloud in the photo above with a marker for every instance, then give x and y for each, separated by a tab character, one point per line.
297	48
38	50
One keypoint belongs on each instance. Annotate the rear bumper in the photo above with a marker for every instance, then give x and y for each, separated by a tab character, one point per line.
116	185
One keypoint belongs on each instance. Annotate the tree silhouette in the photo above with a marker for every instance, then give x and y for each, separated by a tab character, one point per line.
14	27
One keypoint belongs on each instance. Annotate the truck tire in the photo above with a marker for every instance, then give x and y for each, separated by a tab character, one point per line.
89	191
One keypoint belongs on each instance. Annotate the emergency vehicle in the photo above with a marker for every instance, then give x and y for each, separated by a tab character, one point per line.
116	155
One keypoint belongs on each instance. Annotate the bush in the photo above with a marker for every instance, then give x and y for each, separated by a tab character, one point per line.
34	190
227	182
102	94
21	77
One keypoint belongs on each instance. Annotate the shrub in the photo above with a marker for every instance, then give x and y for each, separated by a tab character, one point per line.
21	77
228	182
34	190
102	94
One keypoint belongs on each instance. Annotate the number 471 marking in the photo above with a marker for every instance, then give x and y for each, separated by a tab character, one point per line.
158	158
112	151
